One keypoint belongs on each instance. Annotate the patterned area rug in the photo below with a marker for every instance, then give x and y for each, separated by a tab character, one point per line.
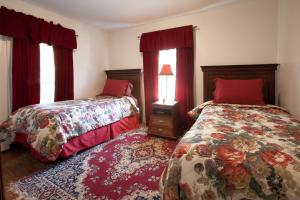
128	167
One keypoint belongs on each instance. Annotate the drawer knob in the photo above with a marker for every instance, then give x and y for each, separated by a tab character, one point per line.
160	129
161	121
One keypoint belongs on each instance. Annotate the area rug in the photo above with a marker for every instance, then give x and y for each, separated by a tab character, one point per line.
128	167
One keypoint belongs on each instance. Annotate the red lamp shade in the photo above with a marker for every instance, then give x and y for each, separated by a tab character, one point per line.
166	70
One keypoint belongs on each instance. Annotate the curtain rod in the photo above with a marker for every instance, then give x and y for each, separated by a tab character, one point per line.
194	27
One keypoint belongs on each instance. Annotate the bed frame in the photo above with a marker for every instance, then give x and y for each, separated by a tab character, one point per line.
1	180
258	71
134	77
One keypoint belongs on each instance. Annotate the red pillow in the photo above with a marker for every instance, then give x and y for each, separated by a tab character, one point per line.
116	88
239	91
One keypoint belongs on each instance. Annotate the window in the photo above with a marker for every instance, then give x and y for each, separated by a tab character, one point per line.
167	57
5	77
47	74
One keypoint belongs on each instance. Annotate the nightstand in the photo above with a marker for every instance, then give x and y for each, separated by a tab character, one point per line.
164	120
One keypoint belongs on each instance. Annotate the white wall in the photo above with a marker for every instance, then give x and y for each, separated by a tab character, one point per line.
240	33
289	55
90	57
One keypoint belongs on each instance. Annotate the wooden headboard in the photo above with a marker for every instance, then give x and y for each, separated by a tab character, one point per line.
258	71
134	77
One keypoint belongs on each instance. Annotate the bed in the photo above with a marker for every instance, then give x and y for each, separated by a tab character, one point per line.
236	151
64	128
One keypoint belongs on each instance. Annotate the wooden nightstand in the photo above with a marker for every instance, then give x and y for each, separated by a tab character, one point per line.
164	120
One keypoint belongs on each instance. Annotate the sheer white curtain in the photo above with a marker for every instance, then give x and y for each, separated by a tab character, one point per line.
47	74
167	57
5	77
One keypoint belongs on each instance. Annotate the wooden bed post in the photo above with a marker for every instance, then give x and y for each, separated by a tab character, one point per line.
1	180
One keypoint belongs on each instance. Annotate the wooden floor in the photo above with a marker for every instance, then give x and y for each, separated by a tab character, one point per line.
17	163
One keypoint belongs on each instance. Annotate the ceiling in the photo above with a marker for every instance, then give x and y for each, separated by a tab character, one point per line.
113	14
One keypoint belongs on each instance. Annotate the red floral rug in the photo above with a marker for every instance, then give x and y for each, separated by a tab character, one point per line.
128	167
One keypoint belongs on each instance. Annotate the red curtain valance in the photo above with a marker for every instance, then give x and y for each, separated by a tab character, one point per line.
181	37
22	26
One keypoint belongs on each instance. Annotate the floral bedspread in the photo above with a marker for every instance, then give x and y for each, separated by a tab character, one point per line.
49	126
236	152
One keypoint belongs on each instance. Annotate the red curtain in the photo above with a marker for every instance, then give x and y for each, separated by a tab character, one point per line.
150	61
185	83
27	32
151	43
180	37
22	26
25	73
64	76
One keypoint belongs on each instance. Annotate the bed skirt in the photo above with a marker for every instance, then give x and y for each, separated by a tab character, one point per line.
88	139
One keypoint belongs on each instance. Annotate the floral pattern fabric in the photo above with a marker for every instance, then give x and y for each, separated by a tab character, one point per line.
236	152
50	126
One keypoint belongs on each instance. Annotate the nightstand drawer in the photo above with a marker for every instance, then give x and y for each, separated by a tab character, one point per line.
161	120
161	131
161	111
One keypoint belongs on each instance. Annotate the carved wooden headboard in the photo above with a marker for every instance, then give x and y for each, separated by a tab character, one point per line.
258	71
134	77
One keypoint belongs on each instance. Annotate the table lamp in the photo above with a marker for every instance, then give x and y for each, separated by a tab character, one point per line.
166	71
